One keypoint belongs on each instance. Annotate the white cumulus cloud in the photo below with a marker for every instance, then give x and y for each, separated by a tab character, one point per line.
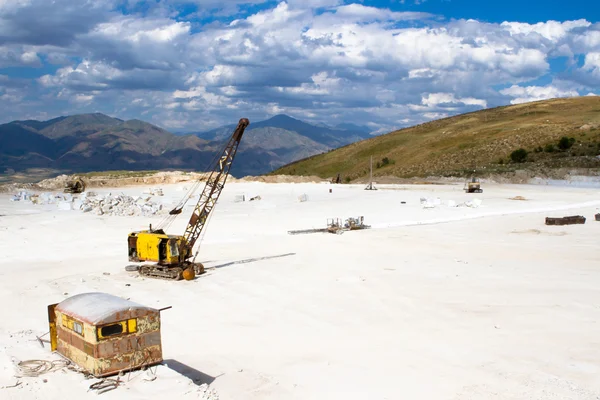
327	60
525	94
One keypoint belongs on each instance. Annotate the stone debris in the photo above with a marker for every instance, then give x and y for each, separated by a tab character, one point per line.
207	393
432	203
50	198
475	203
21	196
90	202
154	192
121	205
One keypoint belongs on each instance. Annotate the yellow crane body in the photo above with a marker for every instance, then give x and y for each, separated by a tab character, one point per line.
156	247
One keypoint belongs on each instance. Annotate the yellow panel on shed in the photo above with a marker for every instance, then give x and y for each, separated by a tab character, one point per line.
132	325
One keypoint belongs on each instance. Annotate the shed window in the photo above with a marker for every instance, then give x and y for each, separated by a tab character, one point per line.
118	328
77	327
111	330
72	324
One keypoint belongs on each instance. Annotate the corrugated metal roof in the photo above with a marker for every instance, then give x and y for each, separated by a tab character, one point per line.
96	307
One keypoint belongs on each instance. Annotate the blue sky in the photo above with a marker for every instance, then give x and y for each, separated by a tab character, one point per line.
190	65
531	11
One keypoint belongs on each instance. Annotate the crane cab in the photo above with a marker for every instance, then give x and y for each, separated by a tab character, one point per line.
156	246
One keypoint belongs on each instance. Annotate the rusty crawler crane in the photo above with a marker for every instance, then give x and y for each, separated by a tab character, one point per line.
172	253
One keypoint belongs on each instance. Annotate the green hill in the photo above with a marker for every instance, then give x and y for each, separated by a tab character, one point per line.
482	140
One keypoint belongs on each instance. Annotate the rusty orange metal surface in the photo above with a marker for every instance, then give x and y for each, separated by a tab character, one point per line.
104	334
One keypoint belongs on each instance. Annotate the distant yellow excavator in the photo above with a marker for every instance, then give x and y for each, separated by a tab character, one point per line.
75	185
172	253
474	186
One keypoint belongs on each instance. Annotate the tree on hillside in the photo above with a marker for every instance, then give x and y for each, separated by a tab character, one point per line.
519	155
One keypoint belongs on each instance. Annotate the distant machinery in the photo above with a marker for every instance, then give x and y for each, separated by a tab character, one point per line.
474	186
76	185
335	225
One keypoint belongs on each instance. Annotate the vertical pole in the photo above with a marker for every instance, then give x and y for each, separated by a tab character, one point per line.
371	175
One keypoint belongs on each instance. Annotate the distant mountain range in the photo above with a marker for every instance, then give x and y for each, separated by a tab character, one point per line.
321	135
97	142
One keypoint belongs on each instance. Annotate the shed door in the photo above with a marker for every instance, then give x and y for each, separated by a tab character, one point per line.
52	326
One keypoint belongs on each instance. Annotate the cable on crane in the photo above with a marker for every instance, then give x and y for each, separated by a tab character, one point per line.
168	220
201	238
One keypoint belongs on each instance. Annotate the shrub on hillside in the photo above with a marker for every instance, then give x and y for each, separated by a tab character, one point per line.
519	155
565	143
384	161
549	148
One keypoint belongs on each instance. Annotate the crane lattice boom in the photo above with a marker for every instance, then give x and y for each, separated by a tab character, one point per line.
212	189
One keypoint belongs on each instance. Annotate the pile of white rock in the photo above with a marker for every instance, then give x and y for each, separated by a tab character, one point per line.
43	198
21	196
154	192
121	204
90	202
437	202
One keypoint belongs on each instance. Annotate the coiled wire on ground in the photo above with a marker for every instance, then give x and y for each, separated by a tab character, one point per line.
35	368
39	367
105	385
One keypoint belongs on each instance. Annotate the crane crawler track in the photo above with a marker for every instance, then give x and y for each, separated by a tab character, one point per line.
169	273
161	272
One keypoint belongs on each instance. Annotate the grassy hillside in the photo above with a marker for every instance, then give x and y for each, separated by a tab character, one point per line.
482	140
76	125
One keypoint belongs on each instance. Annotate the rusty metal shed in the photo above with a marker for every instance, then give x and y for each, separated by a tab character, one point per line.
105	334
